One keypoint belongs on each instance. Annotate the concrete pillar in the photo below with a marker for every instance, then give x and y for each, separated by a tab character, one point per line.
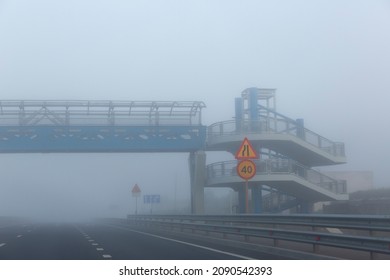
197	165
305	207
239	113
253	109
257	199
241	200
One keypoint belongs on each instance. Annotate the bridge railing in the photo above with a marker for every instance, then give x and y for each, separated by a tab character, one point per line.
280	166
357	233
275	126
52	112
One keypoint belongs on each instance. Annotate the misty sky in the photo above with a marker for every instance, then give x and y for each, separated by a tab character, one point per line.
328	60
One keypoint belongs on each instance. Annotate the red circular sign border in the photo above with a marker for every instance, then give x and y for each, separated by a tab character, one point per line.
239	167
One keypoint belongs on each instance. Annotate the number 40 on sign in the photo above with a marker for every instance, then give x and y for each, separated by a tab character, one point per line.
246	169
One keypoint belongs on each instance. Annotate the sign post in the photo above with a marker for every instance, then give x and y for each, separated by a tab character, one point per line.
151	199
136	192
246	168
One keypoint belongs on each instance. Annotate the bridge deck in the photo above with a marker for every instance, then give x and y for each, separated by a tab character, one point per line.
101	126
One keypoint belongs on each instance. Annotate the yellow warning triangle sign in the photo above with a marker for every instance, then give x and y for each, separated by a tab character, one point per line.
246	150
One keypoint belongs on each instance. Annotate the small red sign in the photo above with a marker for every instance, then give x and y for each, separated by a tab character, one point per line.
136	189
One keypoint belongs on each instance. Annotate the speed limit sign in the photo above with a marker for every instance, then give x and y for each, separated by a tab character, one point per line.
246	169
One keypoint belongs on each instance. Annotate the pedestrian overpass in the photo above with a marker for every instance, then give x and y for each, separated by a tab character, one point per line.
51	126
100	126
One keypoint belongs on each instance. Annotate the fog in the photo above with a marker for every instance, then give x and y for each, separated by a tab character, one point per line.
328	60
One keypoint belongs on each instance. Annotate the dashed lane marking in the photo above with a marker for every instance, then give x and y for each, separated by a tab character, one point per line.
93	243
2	244
19	236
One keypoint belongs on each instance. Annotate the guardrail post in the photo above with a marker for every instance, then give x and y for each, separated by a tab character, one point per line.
372	255
316	247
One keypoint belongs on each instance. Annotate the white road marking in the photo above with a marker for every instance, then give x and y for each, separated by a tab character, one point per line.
2	244
186	243
94	243
19	236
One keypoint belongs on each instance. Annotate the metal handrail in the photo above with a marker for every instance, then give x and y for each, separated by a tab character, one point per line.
275	126
83	112
280	166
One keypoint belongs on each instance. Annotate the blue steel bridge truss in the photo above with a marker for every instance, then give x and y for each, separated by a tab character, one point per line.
101	126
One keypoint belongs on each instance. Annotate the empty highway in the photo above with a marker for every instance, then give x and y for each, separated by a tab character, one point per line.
90	241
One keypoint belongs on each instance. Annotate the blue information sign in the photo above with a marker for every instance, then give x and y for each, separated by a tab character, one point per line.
151	198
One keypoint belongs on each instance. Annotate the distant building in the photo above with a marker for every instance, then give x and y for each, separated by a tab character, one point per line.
356	180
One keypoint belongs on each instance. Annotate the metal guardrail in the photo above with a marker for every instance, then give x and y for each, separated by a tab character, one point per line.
275	126
276	228
280	166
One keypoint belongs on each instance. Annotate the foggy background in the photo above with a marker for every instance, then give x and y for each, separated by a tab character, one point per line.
328	60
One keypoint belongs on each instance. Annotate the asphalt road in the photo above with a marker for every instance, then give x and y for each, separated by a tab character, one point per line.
60	241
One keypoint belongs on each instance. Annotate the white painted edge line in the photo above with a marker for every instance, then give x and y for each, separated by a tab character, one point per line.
186	243
2	244
107	256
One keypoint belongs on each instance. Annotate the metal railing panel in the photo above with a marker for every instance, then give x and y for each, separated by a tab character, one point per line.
280	166
275	126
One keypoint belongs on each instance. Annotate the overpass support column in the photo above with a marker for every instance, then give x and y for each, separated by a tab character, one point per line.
257	198
241	200
239	114
197	164
305	207
254	110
